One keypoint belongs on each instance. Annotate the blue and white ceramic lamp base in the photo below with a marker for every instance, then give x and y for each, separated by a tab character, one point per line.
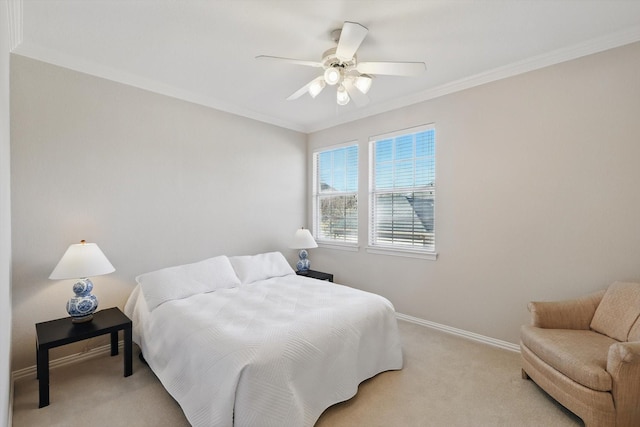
82	306
303	262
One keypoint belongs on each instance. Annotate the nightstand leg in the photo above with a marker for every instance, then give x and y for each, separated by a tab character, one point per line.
43	376
128	351
114	343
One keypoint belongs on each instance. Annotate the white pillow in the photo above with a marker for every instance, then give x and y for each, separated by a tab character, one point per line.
185	280
251	268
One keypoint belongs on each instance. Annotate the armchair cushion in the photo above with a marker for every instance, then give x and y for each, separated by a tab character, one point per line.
581	355
618	310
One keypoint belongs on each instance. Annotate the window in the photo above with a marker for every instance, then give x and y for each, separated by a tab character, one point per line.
402	190
335	195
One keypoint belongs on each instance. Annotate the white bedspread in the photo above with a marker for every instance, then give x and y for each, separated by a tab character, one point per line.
276	352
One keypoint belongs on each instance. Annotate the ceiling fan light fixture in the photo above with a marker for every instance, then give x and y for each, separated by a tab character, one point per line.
342	97
332	75
316	87
363	83
340	67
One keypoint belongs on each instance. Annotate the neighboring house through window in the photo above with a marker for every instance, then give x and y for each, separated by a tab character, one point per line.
402	191
335	195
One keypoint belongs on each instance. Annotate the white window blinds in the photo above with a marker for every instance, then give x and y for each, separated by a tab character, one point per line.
335	195
402	190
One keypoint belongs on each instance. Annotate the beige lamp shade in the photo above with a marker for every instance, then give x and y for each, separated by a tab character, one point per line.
82	260
303	239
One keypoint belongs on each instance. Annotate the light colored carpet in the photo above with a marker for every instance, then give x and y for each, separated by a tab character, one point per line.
446	381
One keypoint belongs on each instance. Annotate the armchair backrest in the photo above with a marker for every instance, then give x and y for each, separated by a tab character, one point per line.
617	315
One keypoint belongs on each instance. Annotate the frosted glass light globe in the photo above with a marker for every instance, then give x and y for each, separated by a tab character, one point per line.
342	97
332	76
316	87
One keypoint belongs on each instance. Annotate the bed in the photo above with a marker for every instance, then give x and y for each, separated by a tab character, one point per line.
245	341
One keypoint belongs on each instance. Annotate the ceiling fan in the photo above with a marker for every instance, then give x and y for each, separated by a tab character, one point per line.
342	69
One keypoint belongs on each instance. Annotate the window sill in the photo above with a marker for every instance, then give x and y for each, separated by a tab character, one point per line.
407	253
350	247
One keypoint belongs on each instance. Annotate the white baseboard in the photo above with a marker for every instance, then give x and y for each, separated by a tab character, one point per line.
99	351
106	349
66	360
460	332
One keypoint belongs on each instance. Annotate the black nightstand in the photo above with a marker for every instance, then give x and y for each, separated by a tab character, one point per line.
62	331
316	275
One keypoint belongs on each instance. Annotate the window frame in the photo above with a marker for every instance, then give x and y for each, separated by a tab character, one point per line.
428	252
316	195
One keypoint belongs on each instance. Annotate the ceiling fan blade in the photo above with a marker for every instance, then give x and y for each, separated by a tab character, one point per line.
359	98
304	89
351	37
392	68
290	60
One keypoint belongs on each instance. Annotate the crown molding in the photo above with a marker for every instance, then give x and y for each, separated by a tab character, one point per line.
71	62
19	47
14	12
621	38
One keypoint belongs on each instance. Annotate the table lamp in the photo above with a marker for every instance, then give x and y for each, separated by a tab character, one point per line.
80	261
303	240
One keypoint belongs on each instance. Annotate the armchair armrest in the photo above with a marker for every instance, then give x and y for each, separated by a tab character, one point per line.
623	364
569	314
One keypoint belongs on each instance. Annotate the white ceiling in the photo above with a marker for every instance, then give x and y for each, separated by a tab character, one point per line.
203	51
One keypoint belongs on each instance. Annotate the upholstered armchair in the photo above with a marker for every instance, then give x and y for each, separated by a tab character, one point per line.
586	354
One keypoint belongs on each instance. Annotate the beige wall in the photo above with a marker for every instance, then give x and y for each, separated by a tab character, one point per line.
5	223
153	180
537	195
536	181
